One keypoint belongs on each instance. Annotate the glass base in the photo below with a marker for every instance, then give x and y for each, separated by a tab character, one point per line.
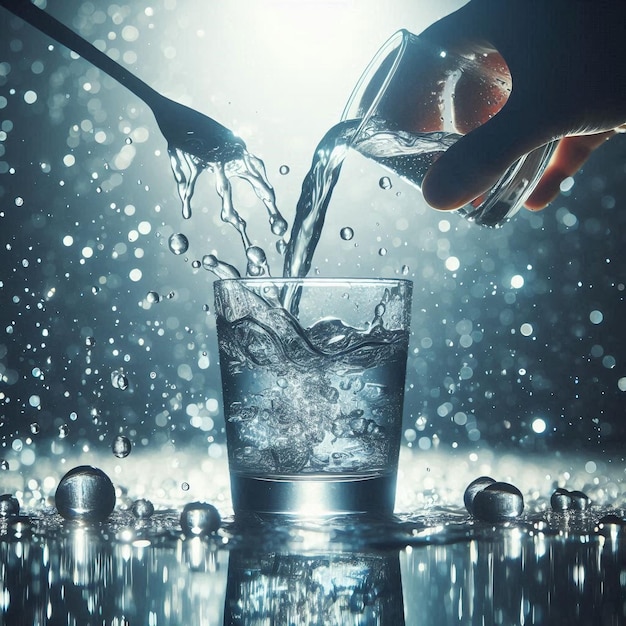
315	496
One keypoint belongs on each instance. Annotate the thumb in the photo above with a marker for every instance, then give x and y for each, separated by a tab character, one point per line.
477	160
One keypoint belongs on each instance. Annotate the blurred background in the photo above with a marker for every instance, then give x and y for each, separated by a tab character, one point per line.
518	345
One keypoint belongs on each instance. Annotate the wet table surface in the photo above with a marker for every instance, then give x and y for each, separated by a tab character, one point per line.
431	564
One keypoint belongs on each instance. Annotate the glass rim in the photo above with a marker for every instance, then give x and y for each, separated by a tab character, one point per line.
312	280
398	42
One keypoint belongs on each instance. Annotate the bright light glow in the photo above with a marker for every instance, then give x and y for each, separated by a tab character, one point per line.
539	425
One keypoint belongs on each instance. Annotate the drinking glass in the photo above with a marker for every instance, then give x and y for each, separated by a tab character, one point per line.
313	400
415	100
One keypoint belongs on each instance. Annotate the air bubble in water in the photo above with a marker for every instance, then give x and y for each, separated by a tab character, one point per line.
346	233
142	509
178	243
153	297
121	447
498	502
85	493
385	183
9	505
199	518
284	169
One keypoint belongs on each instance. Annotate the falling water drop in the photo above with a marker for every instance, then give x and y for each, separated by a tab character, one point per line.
178	243
121	447
346	233
385	183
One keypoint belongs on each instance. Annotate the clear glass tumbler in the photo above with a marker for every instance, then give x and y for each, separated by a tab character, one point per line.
313	402
415	100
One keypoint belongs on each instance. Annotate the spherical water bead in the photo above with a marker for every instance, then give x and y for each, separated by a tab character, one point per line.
564	500
34	428
382	252
278	225
284	170
561	500
178	243
142	509
199	518
385	183
9	505
196	265
121	447
580	500
153	297
256	260
473	488
346	233
498	502
119	381
85	493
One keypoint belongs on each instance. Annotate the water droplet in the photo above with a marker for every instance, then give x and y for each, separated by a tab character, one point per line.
142	509
153	297
560	500
473	488
284	169
95	290
9	505
385	183
90	342
405	270
4	465
178	243
580	500
121	447
185	486
278	224
119	380
85	493
63	431
34	428
199	518
209	261
382	252
346	233
128	141
281	246
498	502
563	500
196	264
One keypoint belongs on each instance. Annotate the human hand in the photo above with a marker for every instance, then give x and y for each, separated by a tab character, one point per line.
567	60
